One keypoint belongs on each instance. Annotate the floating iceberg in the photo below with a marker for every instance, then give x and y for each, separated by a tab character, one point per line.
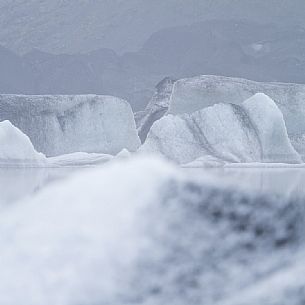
252	132
156	108
181	240
192	94
60	125
85	159
270	128
16	148
78	159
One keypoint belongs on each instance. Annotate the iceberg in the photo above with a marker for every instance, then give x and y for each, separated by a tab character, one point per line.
16	148
268	121
254	131
78	159
192	94
181	240
60	125
156	108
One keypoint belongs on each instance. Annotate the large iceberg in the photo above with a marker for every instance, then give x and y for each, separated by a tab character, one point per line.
195	93
156	108
60	125
252	132
143	223
16	148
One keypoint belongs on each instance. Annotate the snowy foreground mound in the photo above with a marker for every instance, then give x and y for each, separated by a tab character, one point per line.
60	125
16	148
195	93
143	232
252	132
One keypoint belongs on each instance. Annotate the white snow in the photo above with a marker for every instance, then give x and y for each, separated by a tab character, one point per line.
252	132
282	287
16	148
75	242
60	125
92	238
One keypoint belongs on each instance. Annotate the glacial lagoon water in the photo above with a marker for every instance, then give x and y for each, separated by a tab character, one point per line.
286	182
17	184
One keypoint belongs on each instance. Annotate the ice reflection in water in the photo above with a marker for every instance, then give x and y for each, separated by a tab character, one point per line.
287	182
17	184
20	183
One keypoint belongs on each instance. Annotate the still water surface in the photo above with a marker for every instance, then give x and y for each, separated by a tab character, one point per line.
17	184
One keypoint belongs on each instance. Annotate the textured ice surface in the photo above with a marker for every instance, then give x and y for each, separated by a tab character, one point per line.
252	132
65	124
193	94
179	240
78	159
270	127
155	109
16	148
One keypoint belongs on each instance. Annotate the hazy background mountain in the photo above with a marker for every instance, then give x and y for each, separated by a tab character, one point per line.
124	48
65	26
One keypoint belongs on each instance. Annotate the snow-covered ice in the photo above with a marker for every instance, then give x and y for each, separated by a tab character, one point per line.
195	93
16	148
60	125
143	223
270	126
251	132
156	108
78	159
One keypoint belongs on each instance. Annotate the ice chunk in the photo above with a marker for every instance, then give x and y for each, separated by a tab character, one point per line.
78	159
89	239
172	137
269	124
16	148
195	93
222	131
60	125
123	154
156	108
205	161
252	132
